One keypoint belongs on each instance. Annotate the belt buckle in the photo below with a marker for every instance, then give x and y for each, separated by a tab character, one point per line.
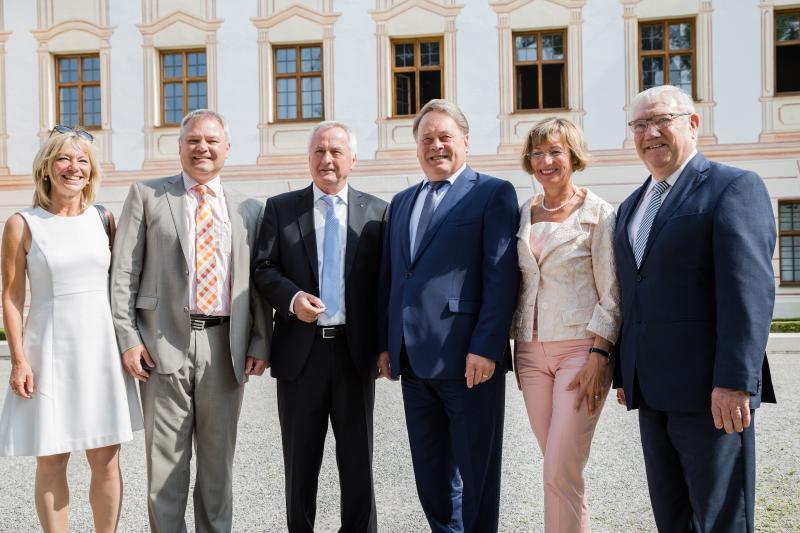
198	324
325	331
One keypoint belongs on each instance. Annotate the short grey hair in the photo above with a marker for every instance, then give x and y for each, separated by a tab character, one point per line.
442	106
682	101
199	114
328	124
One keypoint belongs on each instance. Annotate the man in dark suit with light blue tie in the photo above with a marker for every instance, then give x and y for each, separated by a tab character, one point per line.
317	262
694	249
449	285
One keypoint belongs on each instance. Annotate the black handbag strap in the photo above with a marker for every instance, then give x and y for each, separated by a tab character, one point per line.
108	225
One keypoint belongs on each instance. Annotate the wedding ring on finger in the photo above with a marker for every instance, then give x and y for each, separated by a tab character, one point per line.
596	396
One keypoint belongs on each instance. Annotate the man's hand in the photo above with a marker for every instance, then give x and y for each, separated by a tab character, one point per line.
254	367
384	367
479	369
621	396
132	361
307	307
731	409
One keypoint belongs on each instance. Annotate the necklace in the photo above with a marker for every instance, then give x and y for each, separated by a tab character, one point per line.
559	208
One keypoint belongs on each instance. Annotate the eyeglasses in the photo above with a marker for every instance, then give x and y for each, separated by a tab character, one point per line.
554	154
661	122
83	134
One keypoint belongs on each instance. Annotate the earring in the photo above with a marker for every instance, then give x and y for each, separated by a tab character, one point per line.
46	178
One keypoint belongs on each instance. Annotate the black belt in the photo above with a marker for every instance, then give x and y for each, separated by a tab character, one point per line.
330	332
201	322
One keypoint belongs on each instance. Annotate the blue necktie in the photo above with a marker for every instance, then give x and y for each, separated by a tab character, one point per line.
647	221
331	264
426	214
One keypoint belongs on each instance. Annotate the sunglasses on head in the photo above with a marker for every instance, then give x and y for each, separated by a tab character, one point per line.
60	128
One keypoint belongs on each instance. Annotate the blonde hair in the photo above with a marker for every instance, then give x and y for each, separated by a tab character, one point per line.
43	168
546	130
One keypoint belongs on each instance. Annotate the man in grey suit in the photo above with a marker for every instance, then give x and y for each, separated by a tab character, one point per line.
186	324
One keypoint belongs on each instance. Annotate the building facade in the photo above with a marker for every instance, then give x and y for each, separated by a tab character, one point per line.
128	71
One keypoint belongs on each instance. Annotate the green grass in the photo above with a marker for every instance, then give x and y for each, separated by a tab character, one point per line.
2	334
785	325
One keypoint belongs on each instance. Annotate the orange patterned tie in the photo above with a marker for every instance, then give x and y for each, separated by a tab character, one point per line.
205	263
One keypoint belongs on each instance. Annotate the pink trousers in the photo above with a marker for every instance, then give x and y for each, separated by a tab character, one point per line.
564	435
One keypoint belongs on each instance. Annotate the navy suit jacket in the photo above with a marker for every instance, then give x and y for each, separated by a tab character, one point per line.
457	296
697	313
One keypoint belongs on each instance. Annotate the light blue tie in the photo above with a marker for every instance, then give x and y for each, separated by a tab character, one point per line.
331	263
647	221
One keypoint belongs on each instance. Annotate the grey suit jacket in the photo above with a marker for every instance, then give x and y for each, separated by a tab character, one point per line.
150	281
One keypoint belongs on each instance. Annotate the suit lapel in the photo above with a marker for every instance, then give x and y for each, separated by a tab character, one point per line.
403	216
462	185
175	192
305	222
238	233
356	209
624	218
692	176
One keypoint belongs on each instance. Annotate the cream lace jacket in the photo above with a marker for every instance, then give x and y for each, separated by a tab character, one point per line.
575	279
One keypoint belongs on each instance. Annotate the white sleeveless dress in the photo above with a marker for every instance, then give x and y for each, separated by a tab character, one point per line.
82	397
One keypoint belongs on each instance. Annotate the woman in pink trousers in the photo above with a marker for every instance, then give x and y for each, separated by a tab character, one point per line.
567	315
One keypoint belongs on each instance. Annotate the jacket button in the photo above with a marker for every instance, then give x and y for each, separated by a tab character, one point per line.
408	275
638	278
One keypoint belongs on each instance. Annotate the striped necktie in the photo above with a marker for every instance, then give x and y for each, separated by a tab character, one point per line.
205	266
647	221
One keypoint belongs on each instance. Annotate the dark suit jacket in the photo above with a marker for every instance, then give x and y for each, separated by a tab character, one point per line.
697	313
286	262
457	296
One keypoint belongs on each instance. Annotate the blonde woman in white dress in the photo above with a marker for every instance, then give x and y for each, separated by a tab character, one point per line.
68	391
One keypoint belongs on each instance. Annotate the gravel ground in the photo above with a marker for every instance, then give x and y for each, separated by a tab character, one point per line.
615	477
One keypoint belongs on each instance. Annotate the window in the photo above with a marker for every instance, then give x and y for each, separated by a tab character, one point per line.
666	54
416	74
787	51
298	82
540	68
789	241
78	90
183	84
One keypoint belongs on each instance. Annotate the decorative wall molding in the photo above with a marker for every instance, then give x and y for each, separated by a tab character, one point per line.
287	142
160	142
703	67
395	139
780	115
59	39
510	18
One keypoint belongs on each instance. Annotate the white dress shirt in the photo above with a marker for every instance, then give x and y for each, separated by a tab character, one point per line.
638	215
413	221
222	229
320	212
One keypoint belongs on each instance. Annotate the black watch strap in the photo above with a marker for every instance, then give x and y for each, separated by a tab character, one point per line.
604	353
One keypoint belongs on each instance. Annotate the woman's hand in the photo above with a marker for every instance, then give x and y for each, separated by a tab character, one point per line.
592	382
21	379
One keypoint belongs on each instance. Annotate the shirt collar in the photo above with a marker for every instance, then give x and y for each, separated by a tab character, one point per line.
215	185
342	195
672	178
451	178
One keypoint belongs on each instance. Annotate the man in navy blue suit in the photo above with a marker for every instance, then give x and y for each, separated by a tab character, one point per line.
694	249
449	284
